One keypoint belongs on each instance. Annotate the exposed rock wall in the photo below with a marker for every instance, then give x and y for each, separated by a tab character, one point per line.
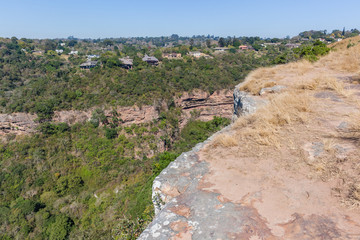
203	106
196	105
17	123
173	192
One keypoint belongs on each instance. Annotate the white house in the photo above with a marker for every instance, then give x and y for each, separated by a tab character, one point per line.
73	52
196	54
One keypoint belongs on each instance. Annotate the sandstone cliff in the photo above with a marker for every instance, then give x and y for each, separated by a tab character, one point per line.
287	168
196	105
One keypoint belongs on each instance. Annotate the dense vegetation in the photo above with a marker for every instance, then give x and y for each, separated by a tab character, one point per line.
93	180
81	182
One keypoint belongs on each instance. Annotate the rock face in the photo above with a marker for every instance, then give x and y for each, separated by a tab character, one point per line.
274	89
173	194
17	123
202	106
129	115
197	105
245	103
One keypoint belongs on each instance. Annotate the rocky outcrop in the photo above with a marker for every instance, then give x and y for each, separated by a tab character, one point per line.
274	89
202	106
173	195
244	103
197	105
129	115
17	123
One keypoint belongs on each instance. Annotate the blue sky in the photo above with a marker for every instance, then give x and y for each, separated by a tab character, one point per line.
110	18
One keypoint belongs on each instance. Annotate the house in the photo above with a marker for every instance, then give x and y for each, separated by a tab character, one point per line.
292	45
62	44
221	49
88	64
73	52
171	55
126	62
150	60
243	47
37	52
270	44
196	54
89	57
59	51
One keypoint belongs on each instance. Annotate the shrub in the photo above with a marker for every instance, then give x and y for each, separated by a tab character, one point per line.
61	228
110	133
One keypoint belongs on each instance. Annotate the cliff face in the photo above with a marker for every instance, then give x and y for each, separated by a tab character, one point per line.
196	105
17	123
287	168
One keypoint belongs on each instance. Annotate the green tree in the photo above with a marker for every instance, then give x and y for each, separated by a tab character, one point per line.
222	42
60	229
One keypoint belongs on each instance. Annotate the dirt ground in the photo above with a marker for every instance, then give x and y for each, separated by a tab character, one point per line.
305	184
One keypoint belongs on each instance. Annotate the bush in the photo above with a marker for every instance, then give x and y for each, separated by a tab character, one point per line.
162	161
60	229
110	133
50	129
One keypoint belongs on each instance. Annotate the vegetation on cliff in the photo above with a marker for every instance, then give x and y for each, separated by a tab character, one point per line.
81	182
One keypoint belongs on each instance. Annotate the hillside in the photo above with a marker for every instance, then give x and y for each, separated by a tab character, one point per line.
289	170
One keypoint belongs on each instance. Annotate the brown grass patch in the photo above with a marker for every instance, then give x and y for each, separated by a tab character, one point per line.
258	79
262	127
347	59
342	45
225	140
324	81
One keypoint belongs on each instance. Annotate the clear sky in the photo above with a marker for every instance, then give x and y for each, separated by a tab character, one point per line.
131	18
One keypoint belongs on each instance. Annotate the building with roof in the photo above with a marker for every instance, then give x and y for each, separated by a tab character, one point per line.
150	60
126	62
171	55
88	64
292	45
196	54
221	49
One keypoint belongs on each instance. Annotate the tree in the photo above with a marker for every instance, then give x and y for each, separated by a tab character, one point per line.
61	228
236	42
72	43
50	45
191	43
343	32
222	42
208	43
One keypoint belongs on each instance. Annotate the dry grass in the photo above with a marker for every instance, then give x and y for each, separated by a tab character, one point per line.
225	140
262	127
343	59
342	45
323	81
258	79
300	68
